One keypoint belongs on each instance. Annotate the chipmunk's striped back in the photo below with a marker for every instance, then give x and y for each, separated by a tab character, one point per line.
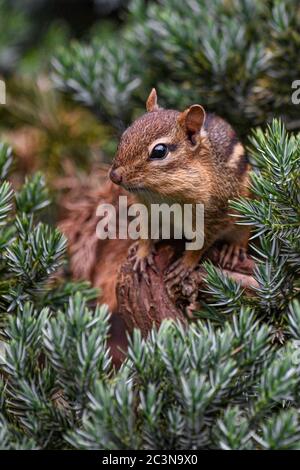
226	145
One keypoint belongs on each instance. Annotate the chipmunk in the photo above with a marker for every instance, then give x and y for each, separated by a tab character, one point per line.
187	157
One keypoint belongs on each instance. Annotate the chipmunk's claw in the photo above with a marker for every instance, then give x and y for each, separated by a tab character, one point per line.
176	274
230	255
141	263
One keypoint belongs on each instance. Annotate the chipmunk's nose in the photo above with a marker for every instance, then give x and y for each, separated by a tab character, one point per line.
115	176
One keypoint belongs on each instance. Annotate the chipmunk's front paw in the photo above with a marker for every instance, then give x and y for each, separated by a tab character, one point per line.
141	261
230	255
177	273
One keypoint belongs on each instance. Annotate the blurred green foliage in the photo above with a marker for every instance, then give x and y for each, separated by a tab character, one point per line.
48	131
233	57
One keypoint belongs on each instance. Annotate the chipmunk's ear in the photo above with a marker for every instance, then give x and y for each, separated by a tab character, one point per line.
192	120
151	103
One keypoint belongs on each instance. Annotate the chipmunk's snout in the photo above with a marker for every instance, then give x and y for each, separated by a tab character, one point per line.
115	175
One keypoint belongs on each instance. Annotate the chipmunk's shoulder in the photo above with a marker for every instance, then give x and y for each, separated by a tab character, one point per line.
225	142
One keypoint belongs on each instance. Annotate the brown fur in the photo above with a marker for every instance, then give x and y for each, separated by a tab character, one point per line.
90	258
208	166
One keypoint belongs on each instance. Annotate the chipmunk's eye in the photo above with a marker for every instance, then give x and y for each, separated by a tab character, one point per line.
159	151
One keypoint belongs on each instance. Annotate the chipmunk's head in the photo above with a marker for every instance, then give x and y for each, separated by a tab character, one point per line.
159	151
